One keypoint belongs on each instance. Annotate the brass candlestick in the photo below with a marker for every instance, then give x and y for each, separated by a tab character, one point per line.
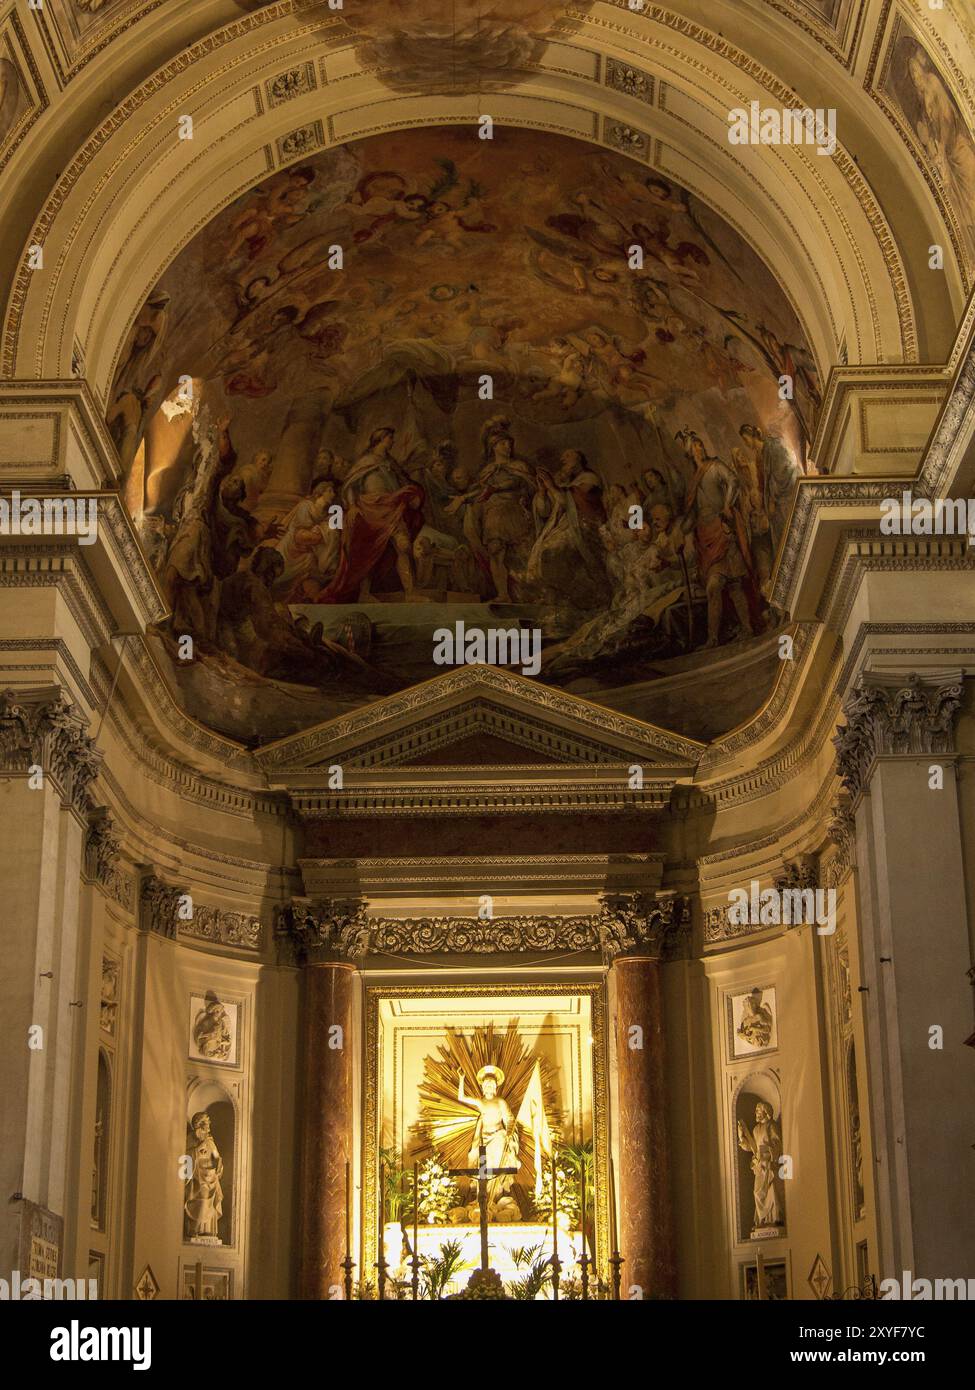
615	1259
556	1262
416	1219
381	1264
348	1264
584	1260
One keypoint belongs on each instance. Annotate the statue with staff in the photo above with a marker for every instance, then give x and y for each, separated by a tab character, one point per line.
496	1133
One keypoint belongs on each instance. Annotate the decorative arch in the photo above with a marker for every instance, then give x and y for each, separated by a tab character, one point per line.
132	197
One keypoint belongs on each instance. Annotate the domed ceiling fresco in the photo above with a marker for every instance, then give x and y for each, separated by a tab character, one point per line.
424	379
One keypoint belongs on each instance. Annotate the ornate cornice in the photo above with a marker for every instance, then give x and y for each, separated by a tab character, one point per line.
42	729
888	715
310	933
933	479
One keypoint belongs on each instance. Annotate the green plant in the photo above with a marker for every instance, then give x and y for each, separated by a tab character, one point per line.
397	1196
437	1271
538	1277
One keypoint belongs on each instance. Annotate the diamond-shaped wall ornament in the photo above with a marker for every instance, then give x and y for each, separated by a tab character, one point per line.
148	1286
819	1279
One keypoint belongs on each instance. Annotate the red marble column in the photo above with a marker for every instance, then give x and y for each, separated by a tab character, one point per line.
646	1236
329	992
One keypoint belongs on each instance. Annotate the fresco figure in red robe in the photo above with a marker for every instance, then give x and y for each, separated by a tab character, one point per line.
382	517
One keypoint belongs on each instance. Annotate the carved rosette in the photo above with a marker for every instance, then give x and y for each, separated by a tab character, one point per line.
886	718
43	729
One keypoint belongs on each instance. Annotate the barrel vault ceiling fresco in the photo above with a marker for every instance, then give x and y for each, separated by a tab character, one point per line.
487	414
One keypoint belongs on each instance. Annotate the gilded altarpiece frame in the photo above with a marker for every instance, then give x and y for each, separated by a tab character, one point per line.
593	991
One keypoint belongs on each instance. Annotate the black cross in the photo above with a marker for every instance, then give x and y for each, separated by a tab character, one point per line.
482	1172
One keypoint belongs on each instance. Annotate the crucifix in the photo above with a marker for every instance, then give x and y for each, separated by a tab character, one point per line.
483	1173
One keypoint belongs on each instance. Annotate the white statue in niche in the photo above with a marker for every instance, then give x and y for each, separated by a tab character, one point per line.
203	1202
764	1143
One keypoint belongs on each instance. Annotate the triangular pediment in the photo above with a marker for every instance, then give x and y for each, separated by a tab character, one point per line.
479	716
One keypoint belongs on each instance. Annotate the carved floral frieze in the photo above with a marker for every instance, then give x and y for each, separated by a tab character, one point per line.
627	923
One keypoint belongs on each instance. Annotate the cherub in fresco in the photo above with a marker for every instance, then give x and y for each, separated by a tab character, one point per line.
608	366
681	259
571	268
592	226
569	370
382	199
650	191
280	202
719	366
447	227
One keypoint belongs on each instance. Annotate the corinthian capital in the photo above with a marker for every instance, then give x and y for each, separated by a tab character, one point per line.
642	924
889	714
309	932
42	729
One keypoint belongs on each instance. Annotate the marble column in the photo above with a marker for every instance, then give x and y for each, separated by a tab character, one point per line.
642	938
915	954
328	1124
47	764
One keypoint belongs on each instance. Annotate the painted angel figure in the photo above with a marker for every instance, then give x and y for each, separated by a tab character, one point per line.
764	1143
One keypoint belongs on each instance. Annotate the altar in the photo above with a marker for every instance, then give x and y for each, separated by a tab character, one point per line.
482	1137
512	1251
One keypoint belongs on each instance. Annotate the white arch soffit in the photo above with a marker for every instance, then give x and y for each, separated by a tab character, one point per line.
135	194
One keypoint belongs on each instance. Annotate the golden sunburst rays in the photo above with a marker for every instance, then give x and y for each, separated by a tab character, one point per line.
446	1126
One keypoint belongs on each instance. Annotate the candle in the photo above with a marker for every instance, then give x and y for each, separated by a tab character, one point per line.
382	1206
612	1207
348	1207
416	1208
